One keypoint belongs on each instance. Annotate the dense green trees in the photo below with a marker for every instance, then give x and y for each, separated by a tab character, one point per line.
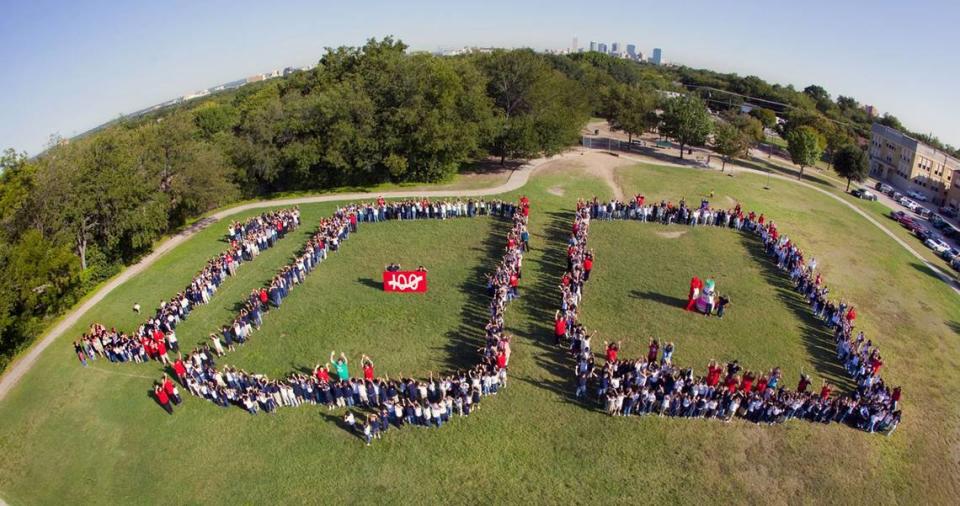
73	215
631	109
686	120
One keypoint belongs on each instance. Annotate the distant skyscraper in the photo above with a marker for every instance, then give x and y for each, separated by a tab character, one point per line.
615	48
657	56
593	46
602	47
573	47
632	51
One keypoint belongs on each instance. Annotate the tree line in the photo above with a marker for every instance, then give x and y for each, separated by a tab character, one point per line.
74	215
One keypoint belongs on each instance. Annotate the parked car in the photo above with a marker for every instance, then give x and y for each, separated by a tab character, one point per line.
896	196
896	215
917	196
923	212
951	231
950	254
937	221
955	263
883	187
906	221
909	204
949	212
936	244
914	226
863	193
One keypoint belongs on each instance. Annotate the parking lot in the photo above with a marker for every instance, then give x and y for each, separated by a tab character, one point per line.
916	223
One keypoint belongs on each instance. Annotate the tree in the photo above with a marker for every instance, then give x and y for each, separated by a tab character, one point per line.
851	163
730	142
891	121
537	109
750	127
767	117
630	109
685	119
805	146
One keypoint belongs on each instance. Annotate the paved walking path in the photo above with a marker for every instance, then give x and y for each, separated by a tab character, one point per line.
517	179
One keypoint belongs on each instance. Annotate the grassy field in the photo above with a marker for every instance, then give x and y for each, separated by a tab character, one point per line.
646	270
76	435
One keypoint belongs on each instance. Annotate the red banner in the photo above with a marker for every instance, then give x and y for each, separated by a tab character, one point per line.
404	281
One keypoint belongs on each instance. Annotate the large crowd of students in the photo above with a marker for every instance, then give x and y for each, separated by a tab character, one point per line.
655	385
386	401
156	336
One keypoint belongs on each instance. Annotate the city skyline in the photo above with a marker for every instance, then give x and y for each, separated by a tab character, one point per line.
66	75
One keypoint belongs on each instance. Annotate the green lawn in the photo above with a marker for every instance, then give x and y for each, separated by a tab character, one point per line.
643	283
77	436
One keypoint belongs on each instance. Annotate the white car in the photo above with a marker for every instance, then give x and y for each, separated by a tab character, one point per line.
936	245
909	204
917	196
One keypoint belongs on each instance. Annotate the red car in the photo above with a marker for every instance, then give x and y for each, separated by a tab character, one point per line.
906	221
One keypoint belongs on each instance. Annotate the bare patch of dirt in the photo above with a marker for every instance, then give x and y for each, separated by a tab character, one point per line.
557	190
672	234
598	164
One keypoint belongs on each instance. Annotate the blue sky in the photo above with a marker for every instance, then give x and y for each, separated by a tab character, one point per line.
70	65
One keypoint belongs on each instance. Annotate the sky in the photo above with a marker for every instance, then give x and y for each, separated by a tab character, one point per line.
67	66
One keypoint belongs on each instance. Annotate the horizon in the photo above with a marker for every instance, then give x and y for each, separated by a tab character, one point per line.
147	58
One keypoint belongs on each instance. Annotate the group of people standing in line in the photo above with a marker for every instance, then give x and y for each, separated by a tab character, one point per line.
374	403
654	385
156	336
397	401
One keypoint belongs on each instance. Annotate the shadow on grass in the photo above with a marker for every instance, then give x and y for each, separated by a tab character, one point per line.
664	299
954	326
925	269
462	344
809	174
371	283
340	424
543	299
817	338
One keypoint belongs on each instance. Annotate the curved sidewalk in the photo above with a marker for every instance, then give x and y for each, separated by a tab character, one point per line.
518	178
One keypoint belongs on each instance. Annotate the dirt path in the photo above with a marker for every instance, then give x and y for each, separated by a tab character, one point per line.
595	163
518	178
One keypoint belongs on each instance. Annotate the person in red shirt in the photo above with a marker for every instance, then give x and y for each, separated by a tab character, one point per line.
514	286
322	373
732	383
825	391
851	314
653	350
804	383
501	360
559	328
367	366
162	399
587	266
171	390
747	384
695	286
612	350
162	352
180	370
